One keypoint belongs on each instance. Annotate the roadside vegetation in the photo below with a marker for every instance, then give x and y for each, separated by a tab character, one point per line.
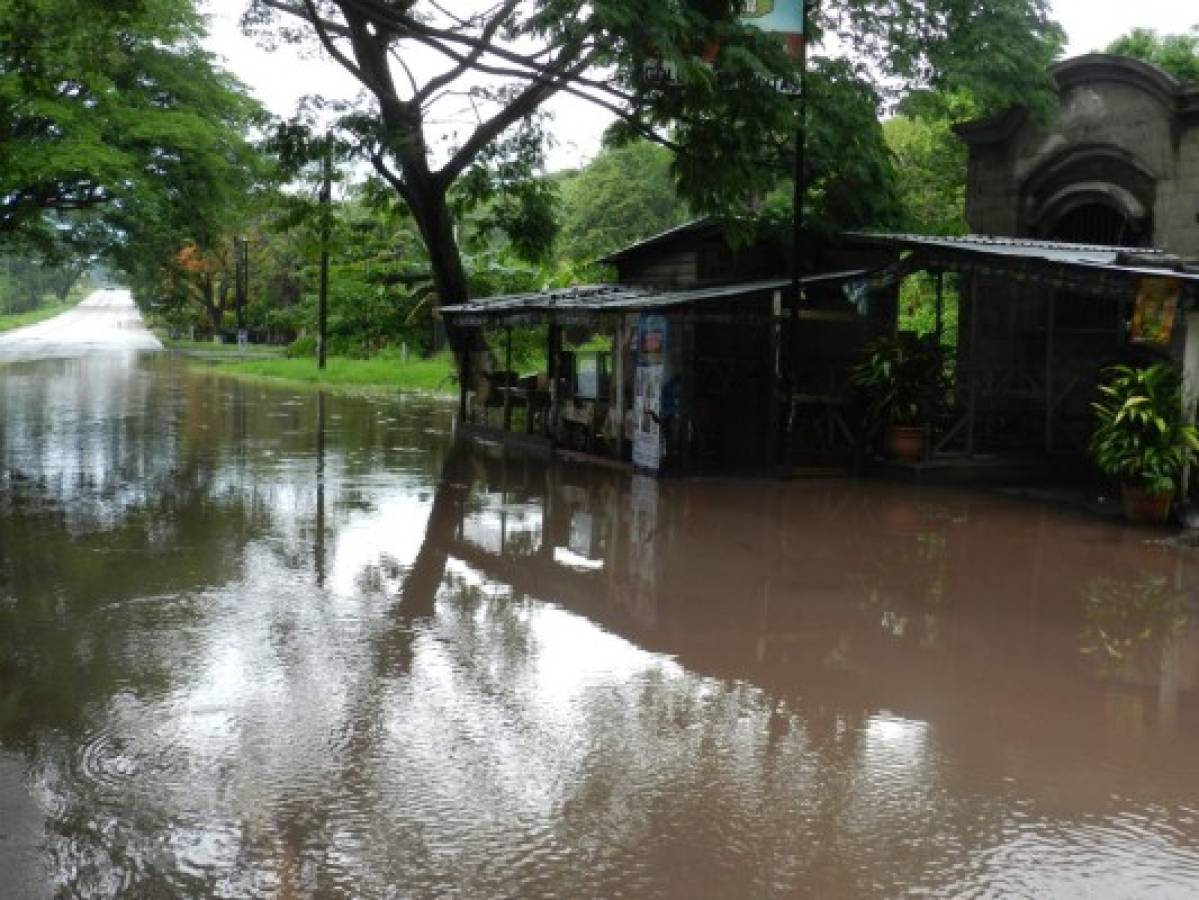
388	370
10	321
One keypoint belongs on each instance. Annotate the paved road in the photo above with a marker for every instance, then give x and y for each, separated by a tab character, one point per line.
105	322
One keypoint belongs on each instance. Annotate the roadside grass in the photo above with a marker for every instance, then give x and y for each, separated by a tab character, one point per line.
386	371
10	321
186	346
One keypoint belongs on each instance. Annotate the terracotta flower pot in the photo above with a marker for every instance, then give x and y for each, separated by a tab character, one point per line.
905	443
1143	507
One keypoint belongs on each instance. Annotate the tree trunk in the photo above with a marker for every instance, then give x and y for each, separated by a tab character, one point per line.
215	313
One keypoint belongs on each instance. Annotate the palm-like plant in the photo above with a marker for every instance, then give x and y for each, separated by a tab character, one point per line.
902	378
1141	437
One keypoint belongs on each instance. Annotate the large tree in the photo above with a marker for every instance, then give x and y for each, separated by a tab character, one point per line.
687	74
115	110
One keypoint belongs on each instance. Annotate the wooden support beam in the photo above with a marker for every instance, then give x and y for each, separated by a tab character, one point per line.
972	366
1190	383
1050	324
464	376
554	351
773	409
939	331
508	379
619	385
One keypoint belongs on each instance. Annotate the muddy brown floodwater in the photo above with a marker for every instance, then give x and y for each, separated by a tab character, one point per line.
256	642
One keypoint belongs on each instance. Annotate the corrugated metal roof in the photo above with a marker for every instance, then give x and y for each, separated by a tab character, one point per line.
1137	262
623	298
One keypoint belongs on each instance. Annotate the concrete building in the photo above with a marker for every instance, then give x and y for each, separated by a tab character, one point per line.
1118	164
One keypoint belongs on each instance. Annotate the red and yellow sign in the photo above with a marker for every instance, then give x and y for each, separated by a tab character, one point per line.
1156	310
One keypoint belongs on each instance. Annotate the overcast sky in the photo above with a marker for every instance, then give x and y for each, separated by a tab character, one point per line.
282	77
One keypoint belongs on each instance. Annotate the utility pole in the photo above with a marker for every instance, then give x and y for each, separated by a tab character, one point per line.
242	249
799	200
326	211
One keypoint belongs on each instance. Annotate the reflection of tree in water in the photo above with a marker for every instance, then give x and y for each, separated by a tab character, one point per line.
1127	619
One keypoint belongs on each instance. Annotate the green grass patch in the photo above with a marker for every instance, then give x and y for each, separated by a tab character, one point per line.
10	321
213	350
389	371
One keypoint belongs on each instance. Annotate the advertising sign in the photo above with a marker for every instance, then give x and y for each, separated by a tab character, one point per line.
783	16
647	397
1156	310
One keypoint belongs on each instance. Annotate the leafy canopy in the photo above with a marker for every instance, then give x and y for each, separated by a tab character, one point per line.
688	75
1177	54
115	108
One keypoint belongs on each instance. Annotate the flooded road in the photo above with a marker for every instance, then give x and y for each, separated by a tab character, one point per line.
107	321
255	642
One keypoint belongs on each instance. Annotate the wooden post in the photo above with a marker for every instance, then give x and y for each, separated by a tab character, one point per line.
1050	325
464	375
776	383
619	377
940	328
554	342
687	412
1190	383
507	378
972	366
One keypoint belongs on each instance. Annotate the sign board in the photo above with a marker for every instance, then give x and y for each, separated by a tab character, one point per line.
1156	310
647	397
782	16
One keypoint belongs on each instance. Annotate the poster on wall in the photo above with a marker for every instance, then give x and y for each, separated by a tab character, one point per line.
1156	310
647	397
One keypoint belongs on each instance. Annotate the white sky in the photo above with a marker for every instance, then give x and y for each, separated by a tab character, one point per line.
280	78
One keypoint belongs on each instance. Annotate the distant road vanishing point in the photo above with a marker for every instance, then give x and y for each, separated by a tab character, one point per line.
107	321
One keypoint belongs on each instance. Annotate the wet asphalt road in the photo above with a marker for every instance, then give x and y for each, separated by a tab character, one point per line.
107	321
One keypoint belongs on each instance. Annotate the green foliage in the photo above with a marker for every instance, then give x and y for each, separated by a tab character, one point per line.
930	170
691	76
1177	54
901	378
918	308
1140	436
624	195
115	107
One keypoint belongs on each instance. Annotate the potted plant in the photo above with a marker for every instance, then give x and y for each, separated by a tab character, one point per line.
1141	437
902	378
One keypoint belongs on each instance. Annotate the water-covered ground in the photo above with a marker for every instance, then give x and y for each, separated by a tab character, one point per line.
256	642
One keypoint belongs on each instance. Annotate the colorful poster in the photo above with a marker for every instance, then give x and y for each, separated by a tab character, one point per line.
783	16
647	396
1156	310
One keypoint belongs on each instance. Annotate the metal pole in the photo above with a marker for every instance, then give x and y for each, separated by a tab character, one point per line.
326	204
242	282
800	177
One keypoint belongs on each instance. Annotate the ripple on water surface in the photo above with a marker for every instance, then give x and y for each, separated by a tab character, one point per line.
254	655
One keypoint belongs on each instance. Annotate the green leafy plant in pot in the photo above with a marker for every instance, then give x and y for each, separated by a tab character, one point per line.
902	378
1141	437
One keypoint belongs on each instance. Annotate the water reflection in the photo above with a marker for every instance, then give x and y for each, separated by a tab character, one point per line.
258	642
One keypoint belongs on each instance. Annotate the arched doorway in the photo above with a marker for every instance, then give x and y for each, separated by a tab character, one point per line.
1097	223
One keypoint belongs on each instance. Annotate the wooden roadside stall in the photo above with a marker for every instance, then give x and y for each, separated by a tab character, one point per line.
694	378
1038	321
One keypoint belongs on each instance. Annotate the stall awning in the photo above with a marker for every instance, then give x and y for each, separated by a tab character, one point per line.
1086	268
589	303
